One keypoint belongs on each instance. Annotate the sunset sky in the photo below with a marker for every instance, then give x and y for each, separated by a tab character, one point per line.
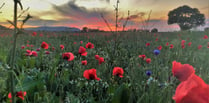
81	13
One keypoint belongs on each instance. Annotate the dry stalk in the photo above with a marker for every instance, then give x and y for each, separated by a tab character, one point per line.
12	59
124	25
106	22
116	16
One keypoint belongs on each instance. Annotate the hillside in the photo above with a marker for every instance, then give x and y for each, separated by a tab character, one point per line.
58	28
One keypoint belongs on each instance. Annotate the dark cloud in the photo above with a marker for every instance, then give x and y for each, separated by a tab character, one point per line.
133	16
82	16
108	1
138	15
76	12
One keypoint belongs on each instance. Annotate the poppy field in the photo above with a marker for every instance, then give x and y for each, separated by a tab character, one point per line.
100	67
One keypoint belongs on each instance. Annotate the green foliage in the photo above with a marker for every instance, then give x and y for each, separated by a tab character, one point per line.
121	95
48	78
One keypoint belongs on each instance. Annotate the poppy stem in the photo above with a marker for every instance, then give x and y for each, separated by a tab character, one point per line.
13	52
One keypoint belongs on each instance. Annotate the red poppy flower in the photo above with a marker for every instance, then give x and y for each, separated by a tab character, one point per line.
89	45
147	44
47	52
205	37
74	42
31	53
199	47
68	56
148	60
183	46
142	56
41	35
84	62
97	57
44	45
182	42
10	95
62	47
81	42
28	51
34	53
34	34
101	60
192	88
22	47
19	94
53	48
91	74
190	43
159	47
82	51
118	71
171	46
156	39
38	49
182	72
167	44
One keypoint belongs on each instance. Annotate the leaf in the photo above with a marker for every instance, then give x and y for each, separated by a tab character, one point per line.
121	95
71	98
28	84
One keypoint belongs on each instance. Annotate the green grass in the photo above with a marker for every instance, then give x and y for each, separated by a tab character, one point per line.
36	75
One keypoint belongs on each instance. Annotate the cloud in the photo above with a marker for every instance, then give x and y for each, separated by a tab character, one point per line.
74	11
138	15
107	1
82	15
206	7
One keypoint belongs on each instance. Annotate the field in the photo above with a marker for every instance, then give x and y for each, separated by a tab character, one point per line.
50	75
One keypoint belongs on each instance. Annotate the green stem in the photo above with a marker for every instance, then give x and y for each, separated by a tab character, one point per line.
13	52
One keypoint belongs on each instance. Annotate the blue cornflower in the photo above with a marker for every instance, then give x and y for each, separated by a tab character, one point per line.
156	52
148	72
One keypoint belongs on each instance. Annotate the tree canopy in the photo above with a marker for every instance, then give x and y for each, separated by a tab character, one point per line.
186	17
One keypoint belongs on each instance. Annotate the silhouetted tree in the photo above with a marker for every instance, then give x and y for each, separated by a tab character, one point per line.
186	17
154	30
84	29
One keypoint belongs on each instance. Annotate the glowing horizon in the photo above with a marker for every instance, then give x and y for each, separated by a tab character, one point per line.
81	13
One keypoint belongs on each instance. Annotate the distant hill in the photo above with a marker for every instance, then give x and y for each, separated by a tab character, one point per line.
57	28
3	28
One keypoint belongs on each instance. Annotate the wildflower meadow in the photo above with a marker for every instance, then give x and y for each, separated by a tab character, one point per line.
60	67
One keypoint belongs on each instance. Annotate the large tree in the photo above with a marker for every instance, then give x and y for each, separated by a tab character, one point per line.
186	17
